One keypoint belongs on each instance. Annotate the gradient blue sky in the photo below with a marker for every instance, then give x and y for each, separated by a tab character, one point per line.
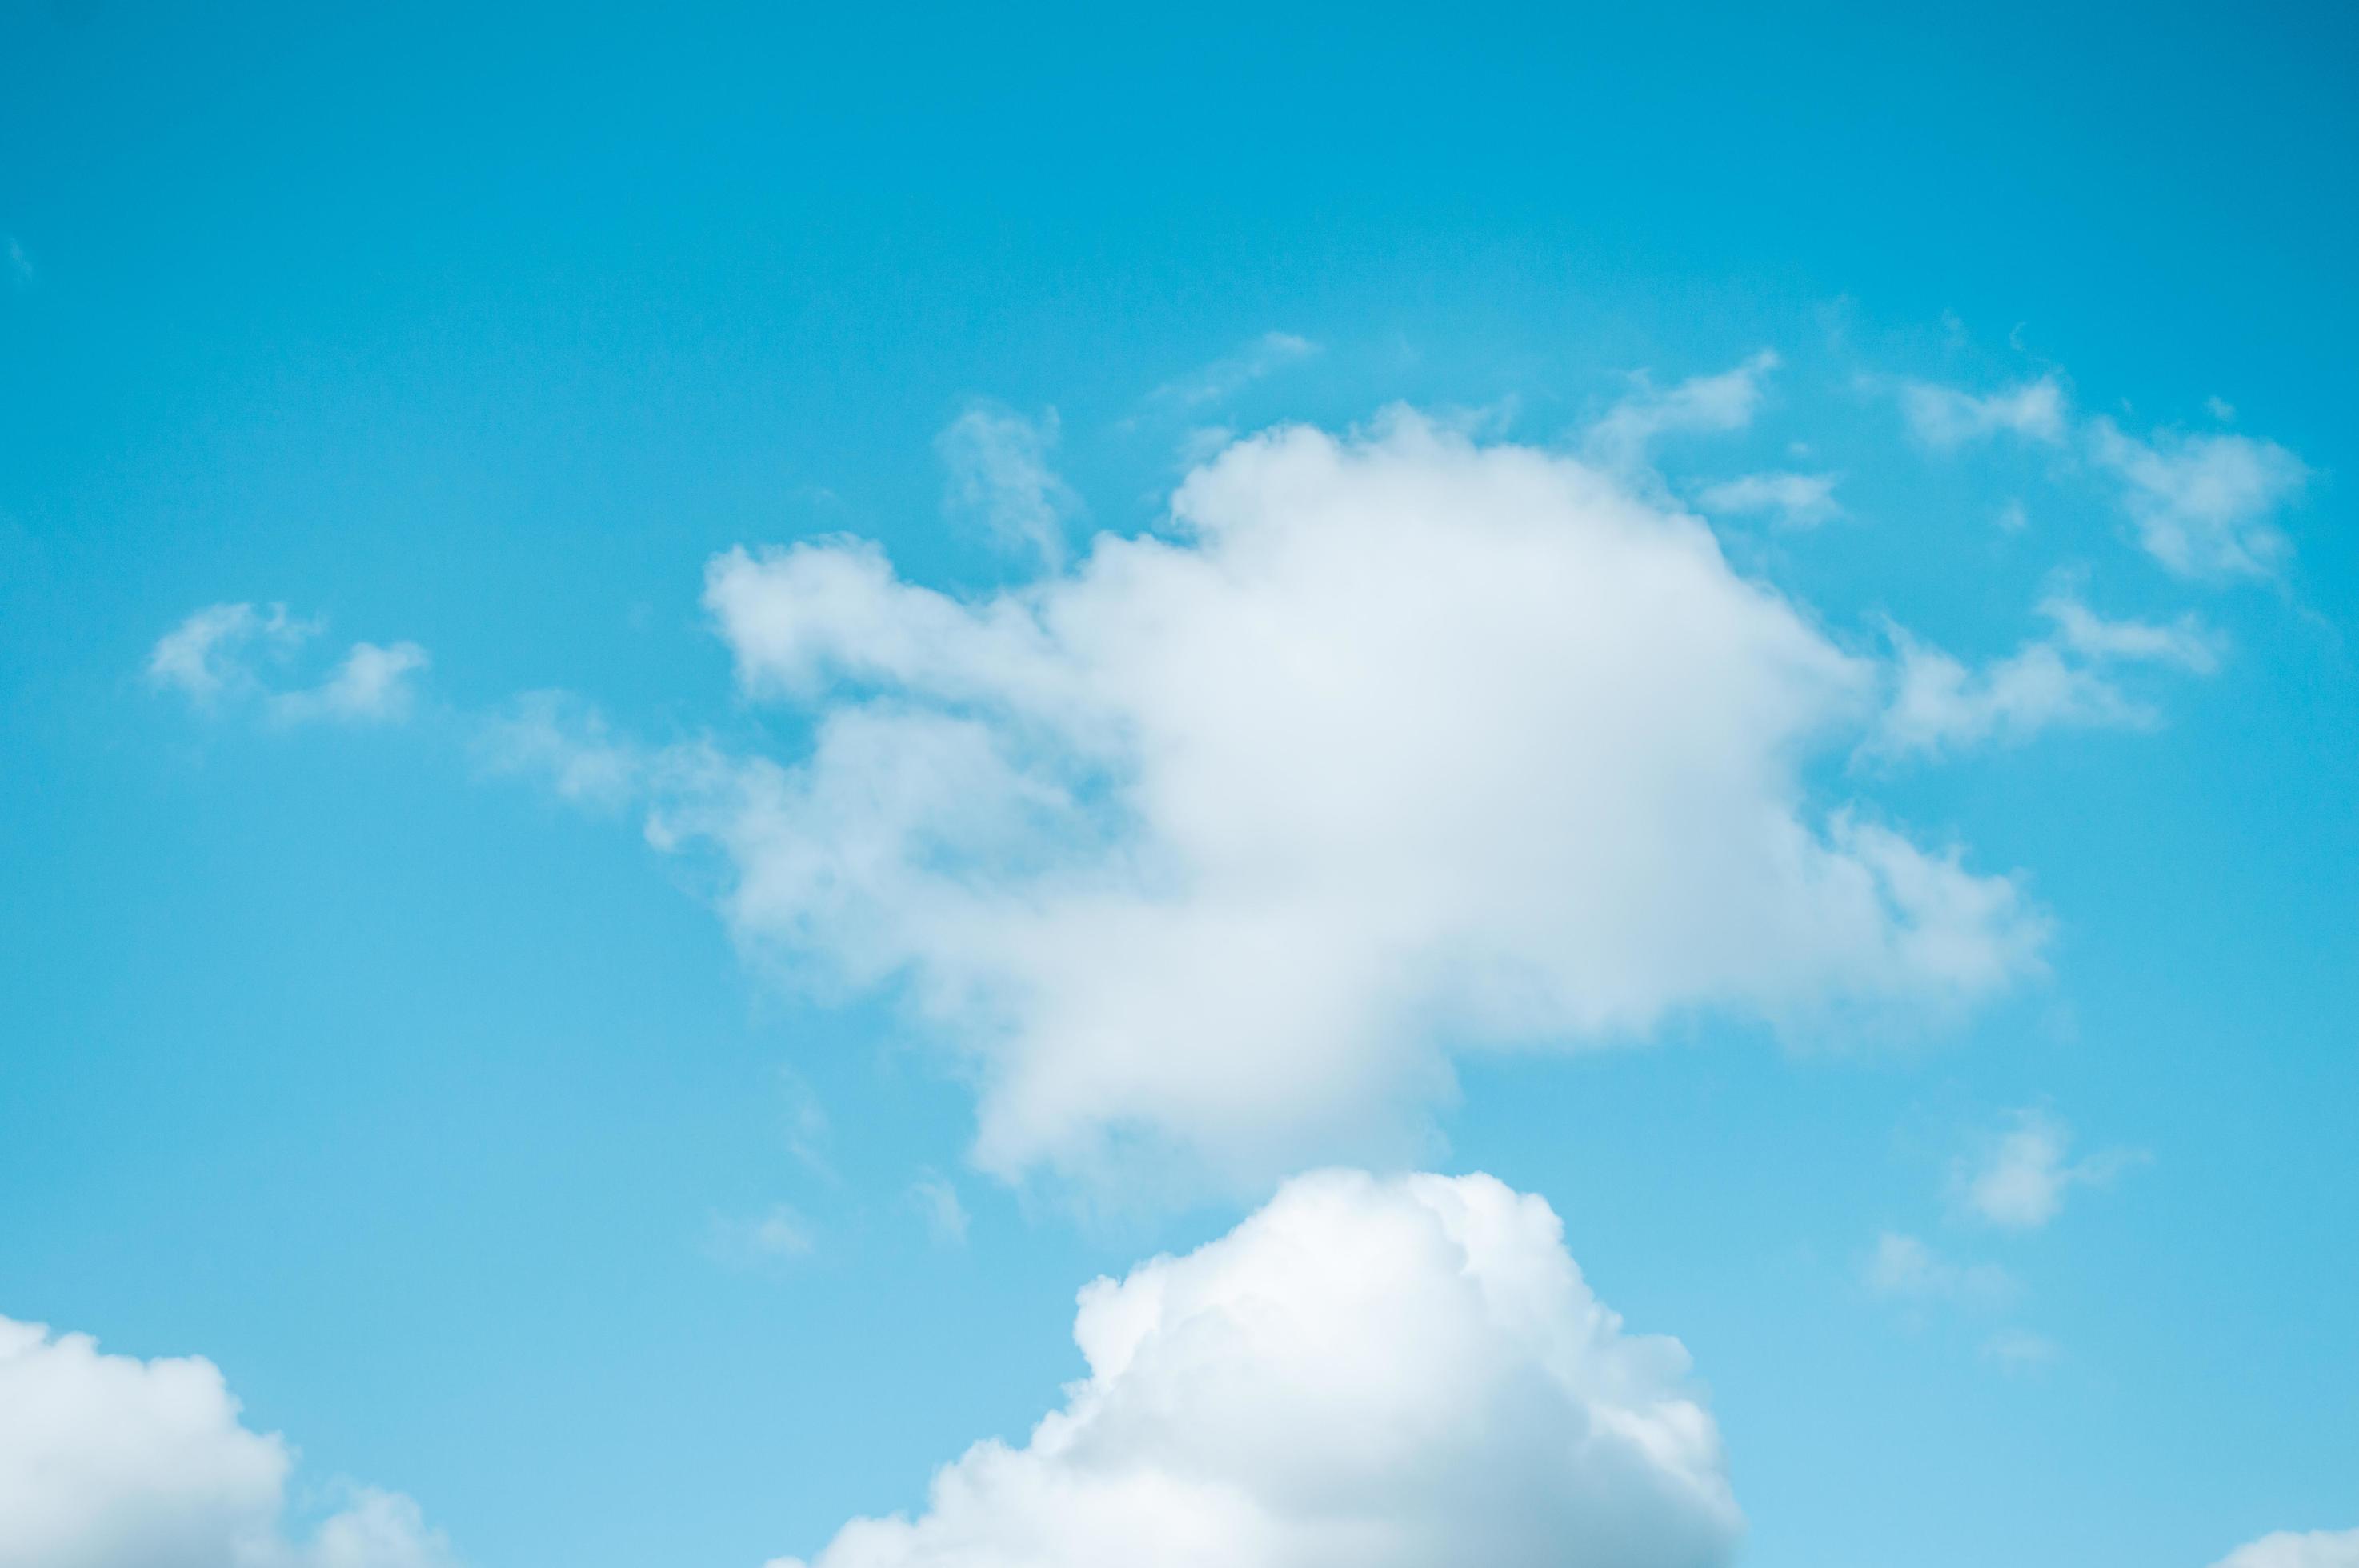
443	1116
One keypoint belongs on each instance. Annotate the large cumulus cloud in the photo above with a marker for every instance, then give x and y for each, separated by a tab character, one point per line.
1367	1373
1216	842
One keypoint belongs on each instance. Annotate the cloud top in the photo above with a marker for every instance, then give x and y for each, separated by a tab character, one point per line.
1365	1374
112	1462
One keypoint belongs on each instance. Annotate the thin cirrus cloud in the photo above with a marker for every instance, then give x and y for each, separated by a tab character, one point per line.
236	654
1198	846
2066	679
108	1460
1403	1373
2020	1176
1225	377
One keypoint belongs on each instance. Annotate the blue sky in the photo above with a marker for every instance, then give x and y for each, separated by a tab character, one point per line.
1741	622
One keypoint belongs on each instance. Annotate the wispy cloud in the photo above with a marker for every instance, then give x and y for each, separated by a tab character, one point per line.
227	654
807	1127
1946	416
1622	438
1224	377
1906	1268
777	1236
2205	505
371	686
2020	1350
555	737
204	655
999	472
1797	500
2065	679
2017	1180
938	1204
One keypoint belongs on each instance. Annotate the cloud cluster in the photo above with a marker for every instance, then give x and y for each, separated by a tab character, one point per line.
2016	1180
1365	1374
112	1462
226	653
2204	504
1214	841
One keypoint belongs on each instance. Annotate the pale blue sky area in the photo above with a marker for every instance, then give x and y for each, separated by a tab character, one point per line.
454	1111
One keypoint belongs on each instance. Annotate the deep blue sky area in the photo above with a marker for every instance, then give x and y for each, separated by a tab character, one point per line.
498	1158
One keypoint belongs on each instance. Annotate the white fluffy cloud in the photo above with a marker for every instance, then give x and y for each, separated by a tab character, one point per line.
2017	1181
2204	504
1940	703
1945	417
2291	1548
1207	842
233	653
1365	1374
112	1462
